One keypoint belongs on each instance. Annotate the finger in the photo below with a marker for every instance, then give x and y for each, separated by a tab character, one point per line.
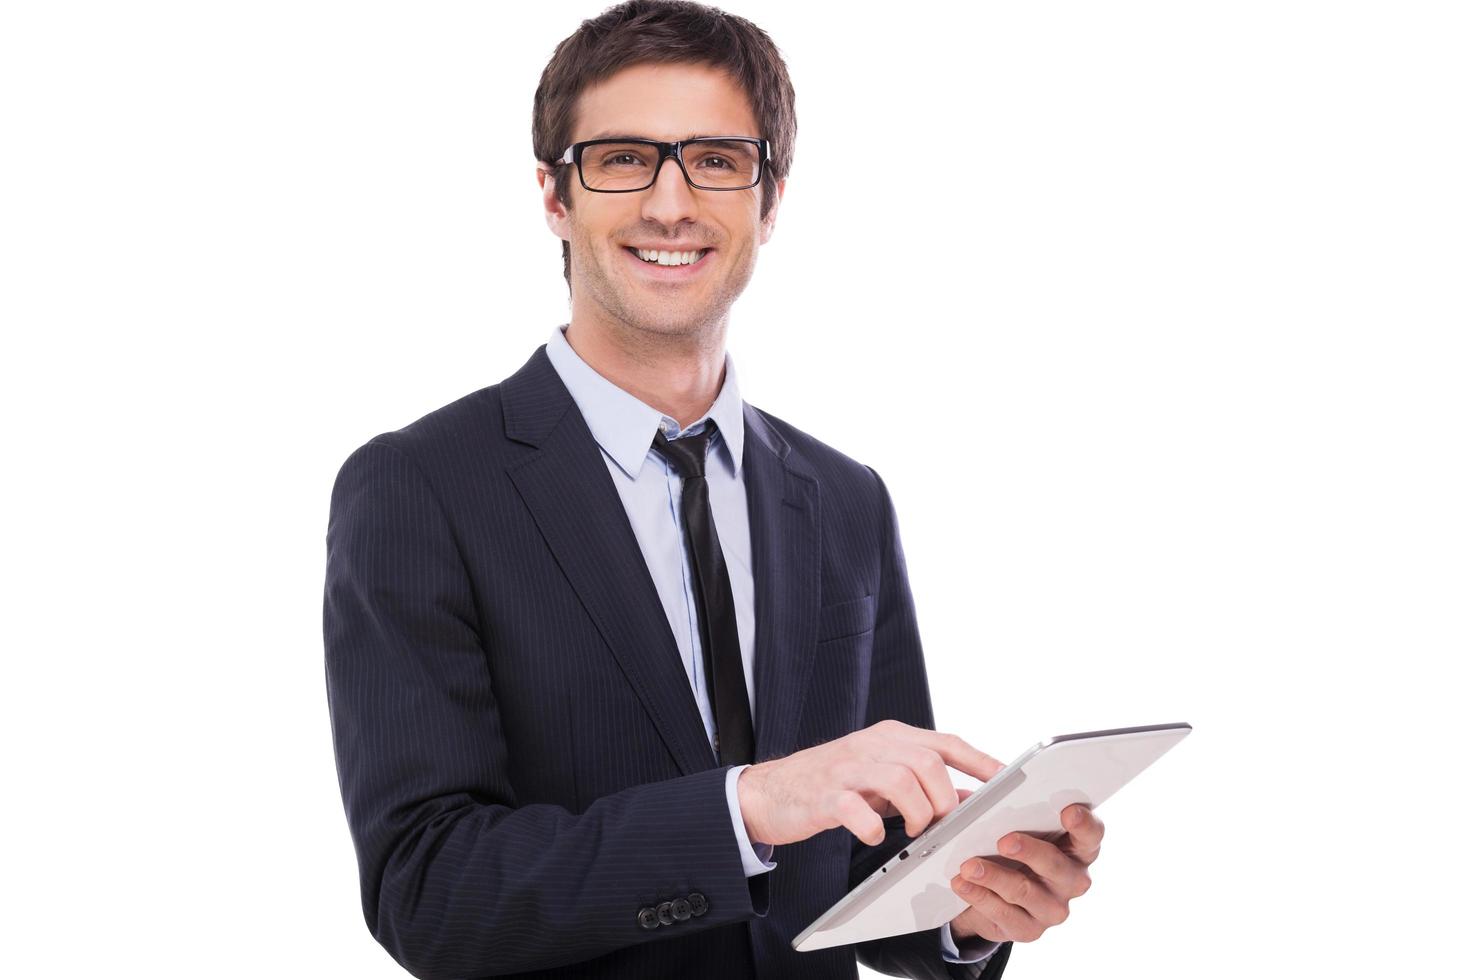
1020	889
1085	831
852	812
964	794
899	784
1013	920
1064	874
932	774
955	751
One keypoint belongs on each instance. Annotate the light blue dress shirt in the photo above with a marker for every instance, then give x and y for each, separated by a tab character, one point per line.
623	427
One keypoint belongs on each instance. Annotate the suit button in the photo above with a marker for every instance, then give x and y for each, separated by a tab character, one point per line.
681	909
665	913
648	918
698	904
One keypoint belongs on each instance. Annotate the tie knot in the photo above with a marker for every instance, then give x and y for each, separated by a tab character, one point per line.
686	453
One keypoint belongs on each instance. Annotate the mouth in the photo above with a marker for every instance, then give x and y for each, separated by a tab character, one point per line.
665	266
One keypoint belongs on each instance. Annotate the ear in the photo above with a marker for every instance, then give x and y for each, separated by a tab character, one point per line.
767	224
556	216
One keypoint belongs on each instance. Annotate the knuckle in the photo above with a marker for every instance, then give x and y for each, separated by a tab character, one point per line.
843	804
896	781
921	807
913	786
873	778
1084	880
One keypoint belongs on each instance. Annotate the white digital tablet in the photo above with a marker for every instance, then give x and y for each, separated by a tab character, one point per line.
910	892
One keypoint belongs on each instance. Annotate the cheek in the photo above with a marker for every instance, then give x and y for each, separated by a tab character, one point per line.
596	222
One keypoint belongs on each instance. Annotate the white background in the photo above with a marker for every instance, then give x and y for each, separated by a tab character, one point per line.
1151	315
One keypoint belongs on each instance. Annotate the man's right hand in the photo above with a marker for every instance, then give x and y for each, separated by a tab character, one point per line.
855	781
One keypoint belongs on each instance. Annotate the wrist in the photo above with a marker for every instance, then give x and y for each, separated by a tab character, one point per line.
748	791
959	931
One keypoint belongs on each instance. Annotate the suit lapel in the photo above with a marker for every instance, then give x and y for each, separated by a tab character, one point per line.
785	542
570	495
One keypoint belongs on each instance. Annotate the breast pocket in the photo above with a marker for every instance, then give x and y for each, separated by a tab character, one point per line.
851	617
839	677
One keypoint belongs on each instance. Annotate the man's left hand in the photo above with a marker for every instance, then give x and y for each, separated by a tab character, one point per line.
1028	890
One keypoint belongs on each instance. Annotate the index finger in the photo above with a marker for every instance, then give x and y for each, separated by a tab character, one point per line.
955	752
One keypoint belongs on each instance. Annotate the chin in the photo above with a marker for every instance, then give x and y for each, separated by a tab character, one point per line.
671	325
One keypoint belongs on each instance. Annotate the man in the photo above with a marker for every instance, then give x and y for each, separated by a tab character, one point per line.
624	673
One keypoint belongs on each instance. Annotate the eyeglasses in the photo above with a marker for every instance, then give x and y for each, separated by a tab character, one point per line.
617	166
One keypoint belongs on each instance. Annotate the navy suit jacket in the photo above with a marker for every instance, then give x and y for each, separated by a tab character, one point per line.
521	757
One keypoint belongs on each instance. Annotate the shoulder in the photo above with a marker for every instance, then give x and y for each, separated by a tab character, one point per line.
459	440
845	482
466	423
485	429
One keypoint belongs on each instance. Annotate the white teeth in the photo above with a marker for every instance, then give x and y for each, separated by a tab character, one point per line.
670	258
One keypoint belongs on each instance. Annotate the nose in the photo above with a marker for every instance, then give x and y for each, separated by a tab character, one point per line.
670	199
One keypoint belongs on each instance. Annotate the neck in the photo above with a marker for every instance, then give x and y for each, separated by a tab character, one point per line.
678	374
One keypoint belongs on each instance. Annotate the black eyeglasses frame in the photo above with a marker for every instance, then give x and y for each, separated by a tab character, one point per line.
573	154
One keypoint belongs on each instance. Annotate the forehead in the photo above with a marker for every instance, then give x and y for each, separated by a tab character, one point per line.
666	102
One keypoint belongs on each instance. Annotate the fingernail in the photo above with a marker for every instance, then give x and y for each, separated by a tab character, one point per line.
1011	846
978	871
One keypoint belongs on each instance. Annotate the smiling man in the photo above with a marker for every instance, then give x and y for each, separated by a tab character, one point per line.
656	268
624	673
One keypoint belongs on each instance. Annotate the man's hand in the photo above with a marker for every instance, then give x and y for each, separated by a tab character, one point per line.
854	781
1020	898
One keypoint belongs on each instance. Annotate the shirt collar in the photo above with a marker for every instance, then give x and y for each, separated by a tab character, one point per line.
624	425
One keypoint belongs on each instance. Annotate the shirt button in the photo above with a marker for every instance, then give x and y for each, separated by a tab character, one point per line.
665	913
698	904
648	917
681	909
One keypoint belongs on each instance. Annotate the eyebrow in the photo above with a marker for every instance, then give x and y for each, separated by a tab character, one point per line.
610	135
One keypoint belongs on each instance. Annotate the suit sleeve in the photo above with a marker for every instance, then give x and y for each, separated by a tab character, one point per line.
898	689
457	877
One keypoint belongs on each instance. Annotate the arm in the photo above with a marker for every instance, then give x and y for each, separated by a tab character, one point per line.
457	878
899	689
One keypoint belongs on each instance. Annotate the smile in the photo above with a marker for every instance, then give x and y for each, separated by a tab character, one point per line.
666	265
663	257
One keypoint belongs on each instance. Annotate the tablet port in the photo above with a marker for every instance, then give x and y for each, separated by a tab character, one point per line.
903	856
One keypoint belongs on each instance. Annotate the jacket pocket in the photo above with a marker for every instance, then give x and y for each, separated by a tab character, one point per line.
850	617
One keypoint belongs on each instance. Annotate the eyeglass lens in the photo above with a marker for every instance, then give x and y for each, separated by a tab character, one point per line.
717	164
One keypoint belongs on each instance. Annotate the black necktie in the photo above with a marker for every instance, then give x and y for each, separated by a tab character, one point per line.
734	737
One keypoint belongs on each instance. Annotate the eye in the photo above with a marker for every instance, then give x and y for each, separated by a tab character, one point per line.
719	159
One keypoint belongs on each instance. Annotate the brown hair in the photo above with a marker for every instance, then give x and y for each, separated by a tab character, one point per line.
665	32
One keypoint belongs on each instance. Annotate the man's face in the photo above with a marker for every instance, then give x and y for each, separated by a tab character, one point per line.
610	283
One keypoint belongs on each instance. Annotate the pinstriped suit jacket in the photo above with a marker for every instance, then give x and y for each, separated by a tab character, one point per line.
521	759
